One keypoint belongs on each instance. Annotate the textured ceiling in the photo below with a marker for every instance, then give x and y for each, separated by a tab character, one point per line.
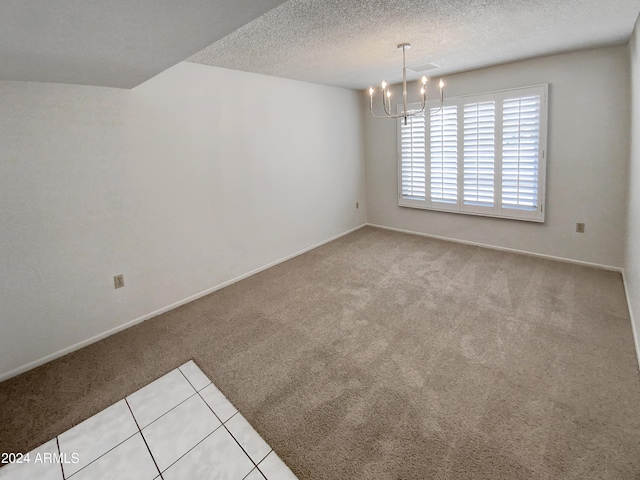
352	43
113	43
348	43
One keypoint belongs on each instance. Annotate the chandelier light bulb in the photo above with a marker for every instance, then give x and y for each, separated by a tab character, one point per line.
422	91
371	91
424	80
388	93
441	84
384	85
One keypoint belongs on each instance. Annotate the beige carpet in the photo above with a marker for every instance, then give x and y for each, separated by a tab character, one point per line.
387	356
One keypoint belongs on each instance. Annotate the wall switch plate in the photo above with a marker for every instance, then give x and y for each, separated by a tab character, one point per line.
118	281
580	227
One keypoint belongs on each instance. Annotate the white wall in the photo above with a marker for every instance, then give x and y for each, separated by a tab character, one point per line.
197	177
632	250
586	169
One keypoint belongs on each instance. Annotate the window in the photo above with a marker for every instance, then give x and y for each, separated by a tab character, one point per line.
478	154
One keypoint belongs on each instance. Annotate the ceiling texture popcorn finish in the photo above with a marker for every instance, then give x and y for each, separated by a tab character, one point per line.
111	43
346	43
352	43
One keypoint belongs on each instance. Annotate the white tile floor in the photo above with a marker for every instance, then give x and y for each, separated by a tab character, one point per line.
180	427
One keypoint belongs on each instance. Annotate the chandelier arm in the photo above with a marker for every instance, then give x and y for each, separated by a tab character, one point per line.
412	114
386	111
399	115
439	109
441	101
386	116
415	113
386	105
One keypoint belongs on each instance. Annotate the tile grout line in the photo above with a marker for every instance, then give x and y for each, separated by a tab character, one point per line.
189	381
232	436
196	392
258	468
191	396
214	413
172	408
98	458
60	454
142	435
139	430
245	452
183	455
255	464
223	423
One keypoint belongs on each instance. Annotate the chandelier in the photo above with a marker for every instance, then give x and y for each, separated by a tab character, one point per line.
386	93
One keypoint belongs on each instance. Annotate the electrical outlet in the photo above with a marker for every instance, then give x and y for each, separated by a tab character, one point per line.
357	205
580	227
118	281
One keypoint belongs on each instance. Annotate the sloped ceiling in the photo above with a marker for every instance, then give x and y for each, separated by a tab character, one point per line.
347	43
111	43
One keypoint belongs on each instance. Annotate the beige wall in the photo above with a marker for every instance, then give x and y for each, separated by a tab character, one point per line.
197	177
632	251
587	160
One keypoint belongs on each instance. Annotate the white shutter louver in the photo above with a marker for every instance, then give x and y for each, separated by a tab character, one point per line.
444	154
413	164
479	153
520	152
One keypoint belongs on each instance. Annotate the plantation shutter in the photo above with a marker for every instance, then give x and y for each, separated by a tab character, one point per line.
479	153
413	162
444	154
520	152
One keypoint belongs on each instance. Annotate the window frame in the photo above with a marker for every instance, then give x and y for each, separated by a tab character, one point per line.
497	210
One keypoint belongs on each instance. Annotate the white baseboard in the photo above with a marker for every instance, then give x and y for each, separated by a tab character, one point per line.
636	338
503	249
119	328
